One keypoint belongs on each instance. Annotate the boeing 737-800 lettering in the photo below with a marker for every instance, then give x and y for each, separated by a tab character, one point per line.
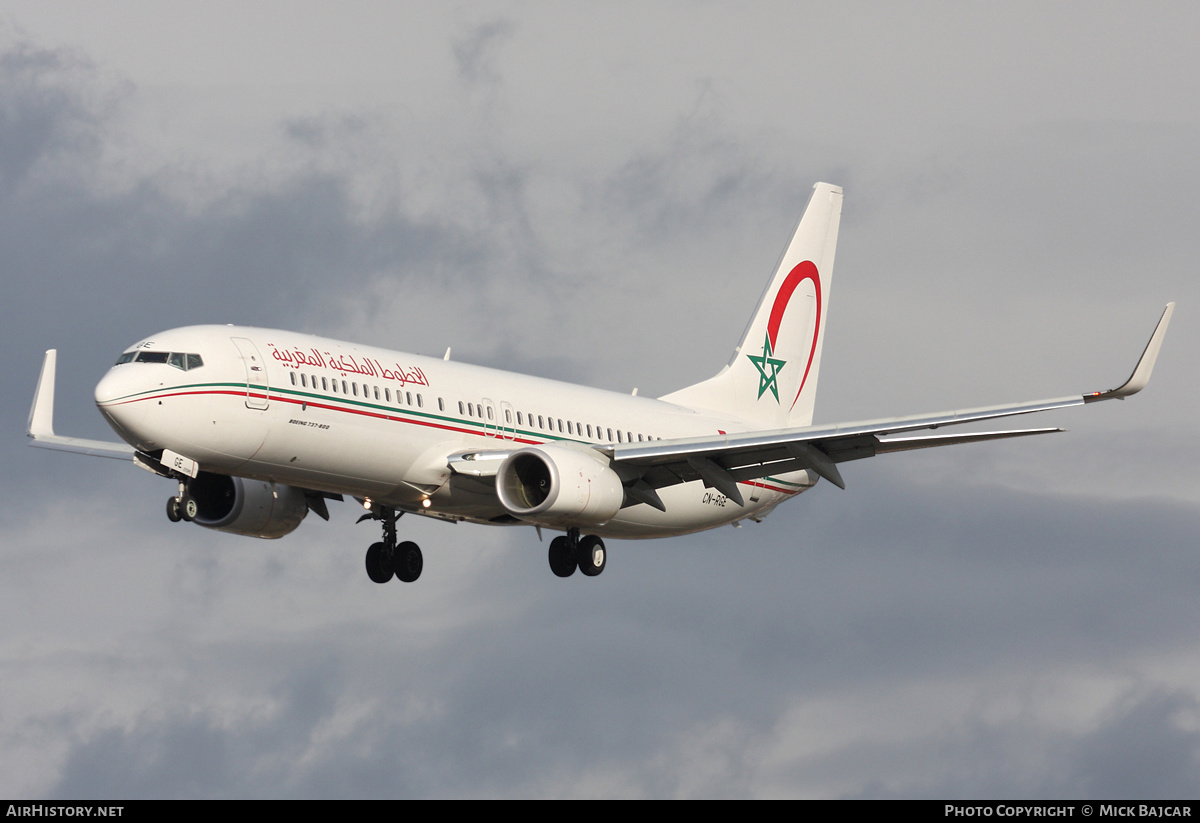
259	427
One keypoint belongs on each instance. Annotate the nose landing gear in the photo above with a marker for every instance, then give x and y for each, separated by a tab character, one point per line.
387	559
182	506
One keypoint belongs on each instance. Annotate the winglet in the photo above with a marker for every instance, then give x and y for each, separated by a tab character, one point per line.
41	413
41	421
1141	374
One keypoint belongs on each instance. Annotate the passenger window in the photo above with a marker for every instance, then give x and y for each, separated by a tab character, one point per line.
293	378
324	384
461	410
619	435
303	379
409	396
420	402
441	404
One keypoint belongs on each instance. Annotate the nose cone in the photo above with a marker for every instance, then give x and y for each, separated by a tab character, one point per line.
111	387
117	396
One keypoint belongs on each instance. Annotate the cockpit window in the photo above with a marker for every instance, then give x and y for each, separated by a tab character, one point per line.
180	360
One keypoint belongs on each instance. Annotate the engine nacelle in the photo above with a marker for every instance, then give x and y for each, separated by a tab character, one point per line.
559	486
251	507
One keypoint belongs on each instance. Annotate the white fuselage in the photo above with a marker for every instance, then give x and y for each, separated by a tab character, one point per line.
336	417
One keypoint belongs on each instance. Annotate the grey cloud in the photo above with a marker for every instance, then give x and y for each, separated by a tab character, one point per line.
42	111
1148	748
475	50
715	638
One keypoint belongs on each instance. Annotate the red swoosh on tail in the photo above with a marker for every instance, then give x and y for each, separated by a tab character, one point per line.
804	271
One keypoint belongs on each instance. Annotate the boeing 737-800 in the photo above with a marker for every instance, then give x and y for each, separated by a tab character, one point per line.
259	427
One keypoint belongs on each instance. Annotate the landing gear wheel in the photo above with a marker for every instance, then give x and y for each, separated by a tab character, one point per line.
173	512
188	508
592	556
409	561
379	563
562	557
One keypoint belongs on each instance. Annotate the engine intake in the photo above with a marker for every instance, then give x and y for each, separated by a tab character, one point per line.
559	486
254	508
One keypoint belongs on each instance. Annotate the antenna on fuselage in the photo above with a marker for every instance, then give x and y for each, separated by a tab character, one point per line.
446	356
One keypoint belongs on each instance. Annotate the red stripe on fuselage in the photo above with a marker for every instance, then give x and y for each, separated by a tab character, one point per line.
425	423
362	412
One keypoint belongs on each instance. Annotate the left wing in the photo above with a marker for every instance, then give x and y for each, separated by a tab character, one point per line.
724	461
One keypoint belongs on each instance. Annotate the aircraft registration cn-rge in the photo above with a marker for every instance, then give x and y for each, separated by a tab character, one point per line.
259	427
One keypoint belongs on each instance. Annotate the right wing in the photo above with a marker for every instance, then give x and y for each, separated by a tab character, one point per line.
724	461
41	422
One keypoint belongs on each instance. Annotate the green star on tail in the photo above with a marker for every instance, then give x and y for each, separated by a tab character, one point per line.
768	370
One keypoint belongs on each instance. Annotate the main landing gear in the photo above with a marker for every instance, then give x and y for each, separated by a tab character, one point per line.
570	552
388	558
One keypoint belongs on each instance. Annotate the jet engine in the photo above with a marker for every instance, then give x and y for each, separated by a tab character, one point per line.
254	508
556	485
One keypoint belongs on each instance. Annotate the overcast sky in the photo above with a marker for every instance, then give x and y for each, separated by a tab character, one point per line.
598	192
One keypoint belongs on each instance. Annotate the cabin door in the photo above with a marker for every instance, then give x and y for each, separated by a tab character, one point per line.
256	373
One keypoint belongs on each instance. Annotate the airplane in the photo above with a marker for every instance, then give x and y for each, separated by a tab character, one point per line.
258	427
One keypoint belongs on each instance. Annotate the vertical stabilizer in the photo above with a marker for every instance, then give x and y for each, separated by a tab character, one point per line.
772	378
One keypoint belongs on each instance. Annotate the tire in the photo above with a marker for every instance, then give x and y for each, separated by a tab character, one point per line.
173	513
409	561
379	565
188	508
592	555
562	559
